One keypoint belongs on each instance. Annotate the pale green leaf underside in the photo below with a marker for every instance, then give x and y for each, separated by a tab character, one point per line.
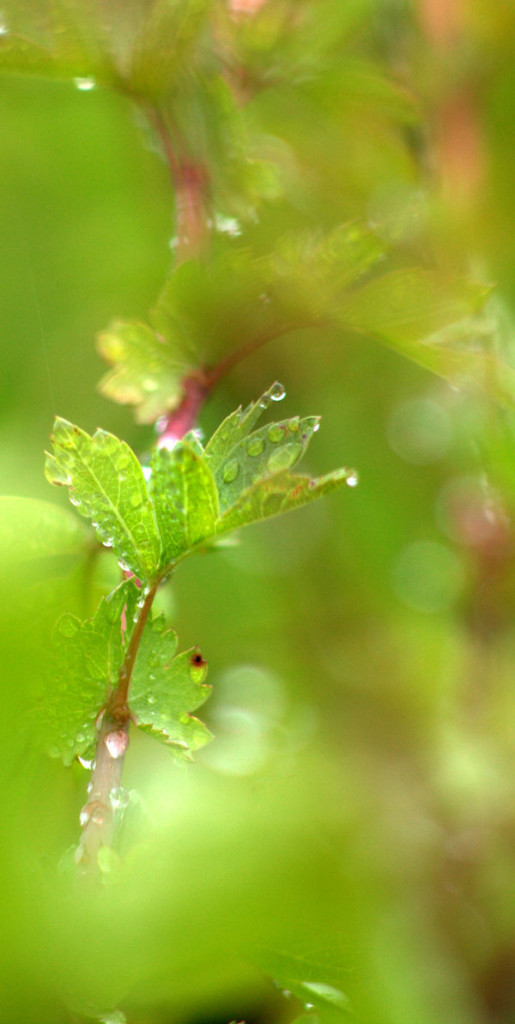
165	689
84	664
146	373
404	307
107	486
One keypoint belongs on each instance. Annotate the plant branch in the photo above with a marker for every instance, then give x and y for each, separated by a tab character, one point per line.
215	373
117	704
190	184
98	816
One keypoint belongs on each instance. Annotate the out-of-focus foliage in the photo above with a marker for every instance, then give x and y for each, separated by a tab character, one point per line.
350	831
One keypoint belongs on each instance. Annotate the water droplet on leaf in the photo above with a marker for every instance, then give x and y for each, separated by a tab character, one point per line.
284	457
230	471
119	798
277	392
328	993
275	433
352	479
255	446
117	743
85	84
294	424
113	1017
84	816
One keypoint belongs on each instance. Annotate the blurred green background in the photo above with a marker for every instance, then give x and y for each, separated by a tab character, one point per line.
352	825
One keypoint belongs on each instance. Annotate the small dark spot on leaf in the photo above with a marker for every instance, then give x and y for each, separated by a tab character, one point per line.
197	659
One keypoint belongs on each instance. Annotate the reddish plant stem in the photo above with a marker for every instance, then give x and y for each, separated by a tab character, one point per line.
195	389
215	373
190	183
117	704
98	816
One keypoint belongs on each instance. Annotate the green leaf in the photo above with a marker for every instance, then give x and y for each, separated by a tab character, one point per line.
435	322
107	486
206	309
236	427
280	493
316	977
273	448
185	499
163	48
147	372
165	689
404	307
84	662
60	39
31	530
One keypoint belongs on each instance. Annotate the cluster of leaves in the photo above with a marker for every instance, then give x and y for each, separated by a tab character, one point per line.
221	83
84	665
313	281
193	497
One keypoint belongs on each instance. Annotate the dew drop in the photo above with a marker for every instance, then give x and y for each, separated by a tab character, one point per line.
284	457
230	471
255	446
227	225
275	433
84	816
119	798
113	1017
352	479
316	426
294	424
97	817
80	737
75	501
3	26
116	743
135	500
85	762
108	543
277	392
85	84
328	993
